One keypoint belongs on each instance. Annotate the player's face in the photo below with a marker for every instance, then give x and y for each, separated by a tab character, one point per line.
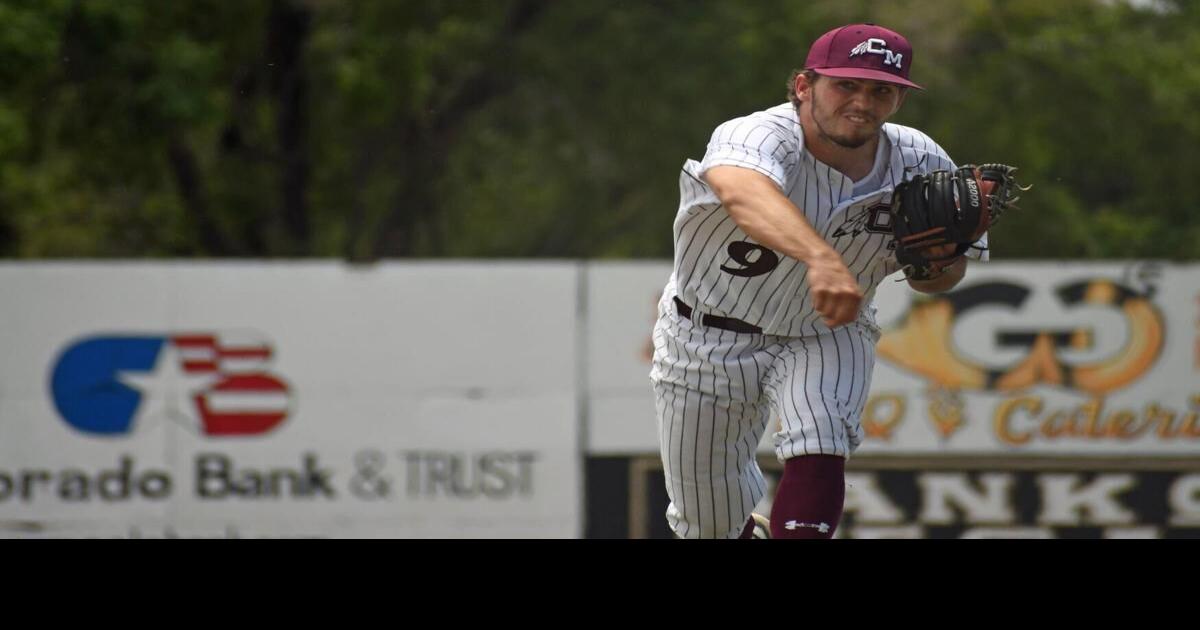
849	112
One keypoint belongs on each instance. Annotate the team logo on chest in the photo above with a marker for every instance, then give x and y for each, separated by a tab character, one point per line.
877	220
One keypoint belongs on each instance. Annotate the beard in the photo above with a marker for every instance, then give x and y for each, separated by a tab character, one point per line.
844	140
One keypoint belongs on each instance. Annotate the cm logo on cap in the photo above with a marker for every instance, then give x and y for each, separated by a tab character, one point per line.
875	46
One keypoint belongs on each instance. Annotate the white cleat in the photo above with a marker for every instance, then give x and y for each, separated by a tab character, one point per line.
762	527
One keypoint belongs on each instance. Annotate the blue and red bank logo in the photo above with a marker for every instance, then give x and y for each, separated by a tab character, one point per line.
216	383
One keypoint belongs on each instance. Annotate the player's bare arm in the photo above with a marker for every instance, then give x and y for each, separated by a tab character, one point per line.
763	212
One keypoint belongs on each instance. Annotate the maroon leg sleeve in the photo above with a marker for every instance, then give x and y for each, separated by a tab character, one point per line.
808	501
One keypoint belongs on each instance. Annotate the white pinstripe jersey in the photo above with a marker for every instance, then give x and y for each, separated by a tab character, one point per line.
722	271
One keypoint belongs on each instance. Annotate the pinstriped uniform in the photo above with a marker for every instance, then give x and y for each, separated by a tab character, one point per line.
715	388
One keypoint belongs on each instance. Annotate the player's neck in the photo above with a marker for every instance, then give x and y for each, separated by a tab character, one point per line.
855	163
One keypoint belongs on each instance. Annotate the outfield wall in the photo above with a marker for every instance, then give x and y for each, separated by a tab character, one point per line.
474	399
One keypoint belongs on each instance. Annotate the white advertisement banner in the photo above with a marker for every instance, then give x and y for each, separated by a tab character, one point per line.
457	399
1021	358
621	308
289	399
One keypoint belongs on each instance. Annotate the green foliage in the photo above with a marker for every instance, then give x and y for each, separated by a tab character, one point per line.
523	128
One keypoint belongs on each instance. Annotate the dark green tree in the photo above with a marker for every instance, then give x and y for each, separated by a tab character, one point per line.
537	128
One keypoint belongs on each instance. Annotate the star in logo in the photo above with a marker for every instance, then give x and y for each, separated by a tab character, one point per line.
167	390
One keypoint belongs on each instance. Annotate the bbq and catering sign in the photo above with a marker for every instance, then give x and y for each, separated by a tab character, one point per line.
1022	358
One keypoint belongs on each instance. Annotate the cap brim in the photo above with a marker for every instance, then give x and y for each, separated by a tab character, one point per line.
867	74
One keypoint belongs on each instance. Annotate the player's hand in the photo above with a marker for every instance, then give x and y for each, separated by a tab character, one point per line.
940	251
836	295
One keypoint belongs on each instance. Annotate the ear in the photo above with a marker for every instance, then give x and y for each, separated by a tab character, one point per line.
802	87
900	101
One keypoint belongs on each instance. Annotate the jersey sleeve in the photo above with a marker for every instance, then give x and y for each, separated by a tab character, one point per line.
979	249
754	144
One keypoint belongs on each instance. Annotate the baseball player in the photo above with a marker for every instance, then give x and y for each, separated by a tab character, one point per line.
783	233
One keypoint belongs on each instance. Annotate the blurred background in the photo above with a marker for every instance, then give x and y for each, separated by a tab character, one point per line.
538	128
410	169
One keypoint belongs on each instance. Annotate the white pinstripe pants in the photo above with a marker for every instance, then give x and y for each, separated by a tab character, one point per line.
715	391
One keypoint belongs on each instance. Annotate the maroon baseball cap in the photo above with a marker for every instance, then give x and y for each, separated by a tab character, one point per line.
862	51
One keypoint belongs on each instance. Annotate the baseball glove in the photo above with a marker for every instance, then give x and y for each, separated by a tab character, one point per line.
948	208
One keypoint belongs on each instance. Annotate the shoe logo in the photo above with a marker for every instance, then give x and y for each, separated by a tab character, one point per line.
820	527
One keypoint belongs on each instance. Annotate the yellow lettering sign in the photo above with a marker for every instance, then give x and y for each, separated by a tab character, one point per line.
1018	420
1003	419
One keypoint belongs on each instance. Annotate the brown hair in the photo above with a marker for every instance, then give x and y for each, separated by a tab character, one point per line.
791	87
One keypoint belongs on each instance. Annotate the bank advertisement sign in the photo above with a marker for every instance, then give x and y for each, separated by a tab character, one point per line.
308	400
